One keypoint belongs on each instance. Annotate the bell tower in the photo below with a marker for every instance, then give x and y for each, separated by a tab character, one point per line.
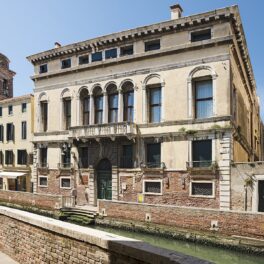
6	78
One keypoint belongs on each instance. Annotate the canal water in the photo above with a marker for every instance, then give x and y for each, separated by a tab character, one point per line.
213	254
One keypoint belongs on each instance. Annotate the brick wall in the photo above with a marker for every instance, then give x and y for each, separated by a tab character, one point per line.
34	239
46	202
230	222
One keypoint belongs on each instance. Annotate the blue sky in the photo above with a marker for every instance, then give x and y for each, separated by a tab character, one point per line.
31	26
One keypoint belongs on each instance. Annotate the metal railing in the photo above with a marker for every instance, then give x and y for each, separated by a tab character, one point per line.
201	164
127	162
42	165
65	165
155	164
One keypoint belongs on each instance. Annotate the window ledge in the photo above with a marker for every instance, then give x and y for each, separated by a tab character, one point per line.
203	196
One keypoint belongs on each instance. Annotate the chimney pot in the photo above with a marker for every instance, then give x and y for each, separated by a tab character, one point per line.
57	45
176	11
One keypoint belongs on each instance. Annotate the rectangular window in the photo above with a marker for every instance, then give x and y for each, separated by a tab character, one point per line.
84	59
203	99
9	157
43	181
154	105
152	187
65	183
44	115
1	183
201	153
66	63
83	157
1	157
24	107
24	130
97	56
127	156
43	68
10	131
10	109
1	133
43	154
21	157
127	50
1	111
152	45
98	101
5	88
153	155
66	158
201	35
128	98
86	110
67	113
113	108
202	189
111	53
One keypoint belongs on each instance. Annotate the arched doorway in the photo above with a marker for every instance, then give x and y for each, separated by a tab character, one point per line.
104	180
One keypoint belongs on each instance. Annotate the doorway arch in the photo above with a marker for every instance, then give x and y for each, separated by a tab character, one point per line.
104	179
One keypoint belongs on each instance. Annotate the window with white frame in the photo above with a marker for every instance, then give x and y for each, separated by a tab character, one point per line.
152	187
65	183
43	181
202	188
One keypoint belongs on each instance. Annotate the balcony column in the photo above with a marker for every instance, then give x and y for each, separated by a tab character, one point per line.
144	104
105	108
91	110
120	106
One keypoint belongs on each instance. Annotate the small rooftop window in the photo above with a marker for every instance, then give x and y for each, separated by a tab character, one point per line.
84	59
97	56
43	68
10	109
152	45
66	63
201	35
127	50
111	53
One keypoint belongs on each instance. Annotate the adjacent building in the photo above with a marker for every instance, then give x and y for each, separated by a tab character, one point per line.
155	114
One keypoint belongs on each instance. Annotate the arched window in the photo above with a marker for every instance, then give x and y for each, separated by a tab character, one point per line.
66	109
43	112
112	103
98	105
128	101
85	107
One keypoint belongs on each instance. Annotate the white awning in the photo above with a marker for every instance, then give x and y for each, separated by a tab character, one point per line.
11	175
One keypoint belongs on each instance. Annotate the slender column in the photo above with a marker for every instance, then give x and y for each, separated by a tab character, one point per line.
162	102
190	104
61	113
120	106
105	108
214	96
144	104
78	111
91	113
39	116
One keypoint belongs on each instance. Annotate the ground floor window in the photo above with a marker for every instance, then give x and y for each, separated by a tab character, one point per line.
152	187
201	153
1	183
153	155
43	181
21	157
65	183
202	188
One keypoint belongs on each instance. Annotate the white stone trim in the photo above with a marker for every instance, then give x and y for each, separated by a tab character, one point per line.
150	193
65	178
202	196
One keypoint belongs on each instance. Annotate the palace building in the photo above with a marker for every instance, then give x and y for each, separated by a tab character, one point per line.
156	114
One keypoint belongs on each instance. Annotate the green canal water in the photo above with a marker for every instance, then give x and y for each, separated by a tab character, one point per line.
213	254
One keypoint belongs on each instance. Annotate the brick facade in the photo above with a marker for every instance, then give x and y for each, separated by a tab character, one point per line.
229	222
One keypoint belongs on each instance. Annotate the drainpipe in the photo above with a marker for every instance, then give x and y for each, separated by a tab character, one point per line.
245	200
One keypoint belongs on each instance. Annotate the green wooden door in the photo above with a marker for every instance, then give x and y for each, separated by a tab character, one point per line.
104	180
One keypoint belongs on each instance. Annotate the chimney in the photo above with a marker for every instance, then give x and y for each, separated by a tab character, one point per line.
57	45
176	11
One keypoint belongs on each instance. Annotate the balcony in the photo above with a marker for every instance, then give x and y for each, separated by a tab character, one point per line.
204	167
104	130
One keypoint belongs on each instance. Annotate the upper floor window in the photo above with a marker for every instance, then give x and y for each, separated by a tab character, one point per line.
201	153
97	56
85	107
66	157
43	155
24	130
201	35
153	155
43	68
126	50
10	109
67	113
129	106
203	99
152	45
66	63
21	157
24	107
154	105
10	131
84	59
111	53
1	133
5	87
127	156
83	157
9	157
1	111
44	115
